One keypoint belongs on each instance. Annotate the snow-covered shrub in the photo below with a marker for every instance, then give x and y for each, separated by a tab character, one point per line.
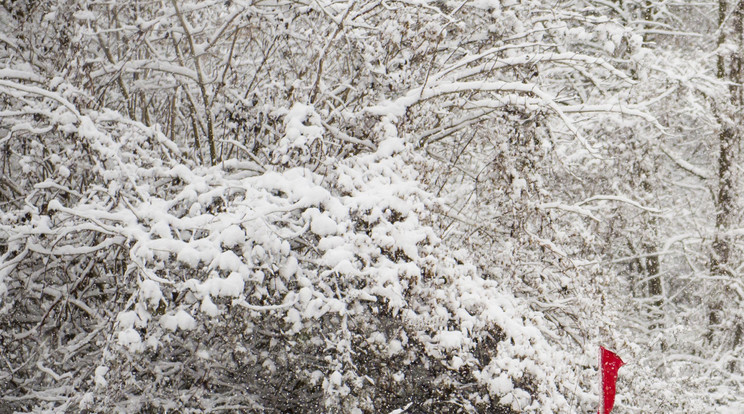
133	279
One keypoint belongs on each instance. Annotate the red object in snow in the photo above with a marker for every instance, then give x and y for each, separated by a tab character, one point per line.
609	364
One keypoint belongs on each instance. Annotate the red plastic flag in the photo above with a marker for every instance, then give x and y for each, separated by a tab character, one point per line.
609	364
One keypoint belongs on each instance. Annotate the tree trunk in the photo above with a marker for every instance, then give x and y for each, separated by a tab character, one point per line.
729	117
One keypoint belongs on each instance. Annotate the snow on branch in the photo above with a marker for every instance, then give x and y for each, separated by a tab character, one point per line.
619	199
692	169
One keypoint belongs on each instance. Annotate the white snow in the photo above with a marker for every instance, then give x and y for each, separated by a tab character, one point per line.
296	128
127	319
63	171
232	236
228	261
501	385
289	268
336	378
322	225
180	320
208	307
394	347
129	338
189	256
150	291
294	318
100	376
315	309
84	15
450	339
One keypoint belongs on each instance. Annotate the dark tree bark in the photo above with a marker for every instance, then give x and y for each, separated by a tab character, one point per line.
729	71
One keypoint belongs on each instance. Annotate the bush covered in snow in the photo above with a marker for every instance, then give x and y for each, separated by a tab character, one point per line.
142	281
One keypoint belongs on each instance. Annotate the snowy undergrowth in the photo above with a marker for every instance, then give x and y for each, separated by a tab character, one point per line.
299	281
150	283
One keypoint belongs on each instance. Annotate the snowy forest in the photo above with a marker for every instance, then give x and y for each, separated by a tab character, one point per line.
370	206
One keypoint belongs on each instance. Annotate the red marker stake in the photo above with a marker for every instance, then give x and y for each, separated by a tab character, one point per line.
609	364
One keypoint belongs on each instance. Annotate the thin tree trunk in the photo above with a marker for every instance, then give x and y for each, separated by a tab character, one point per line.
201	80
728	145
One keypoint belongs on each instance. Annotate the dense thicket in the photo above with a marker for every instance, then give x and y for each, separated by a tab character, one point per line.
368	206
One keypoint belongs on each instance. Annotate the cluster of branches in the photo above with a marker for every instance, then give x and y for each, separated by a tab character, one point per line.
176	228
